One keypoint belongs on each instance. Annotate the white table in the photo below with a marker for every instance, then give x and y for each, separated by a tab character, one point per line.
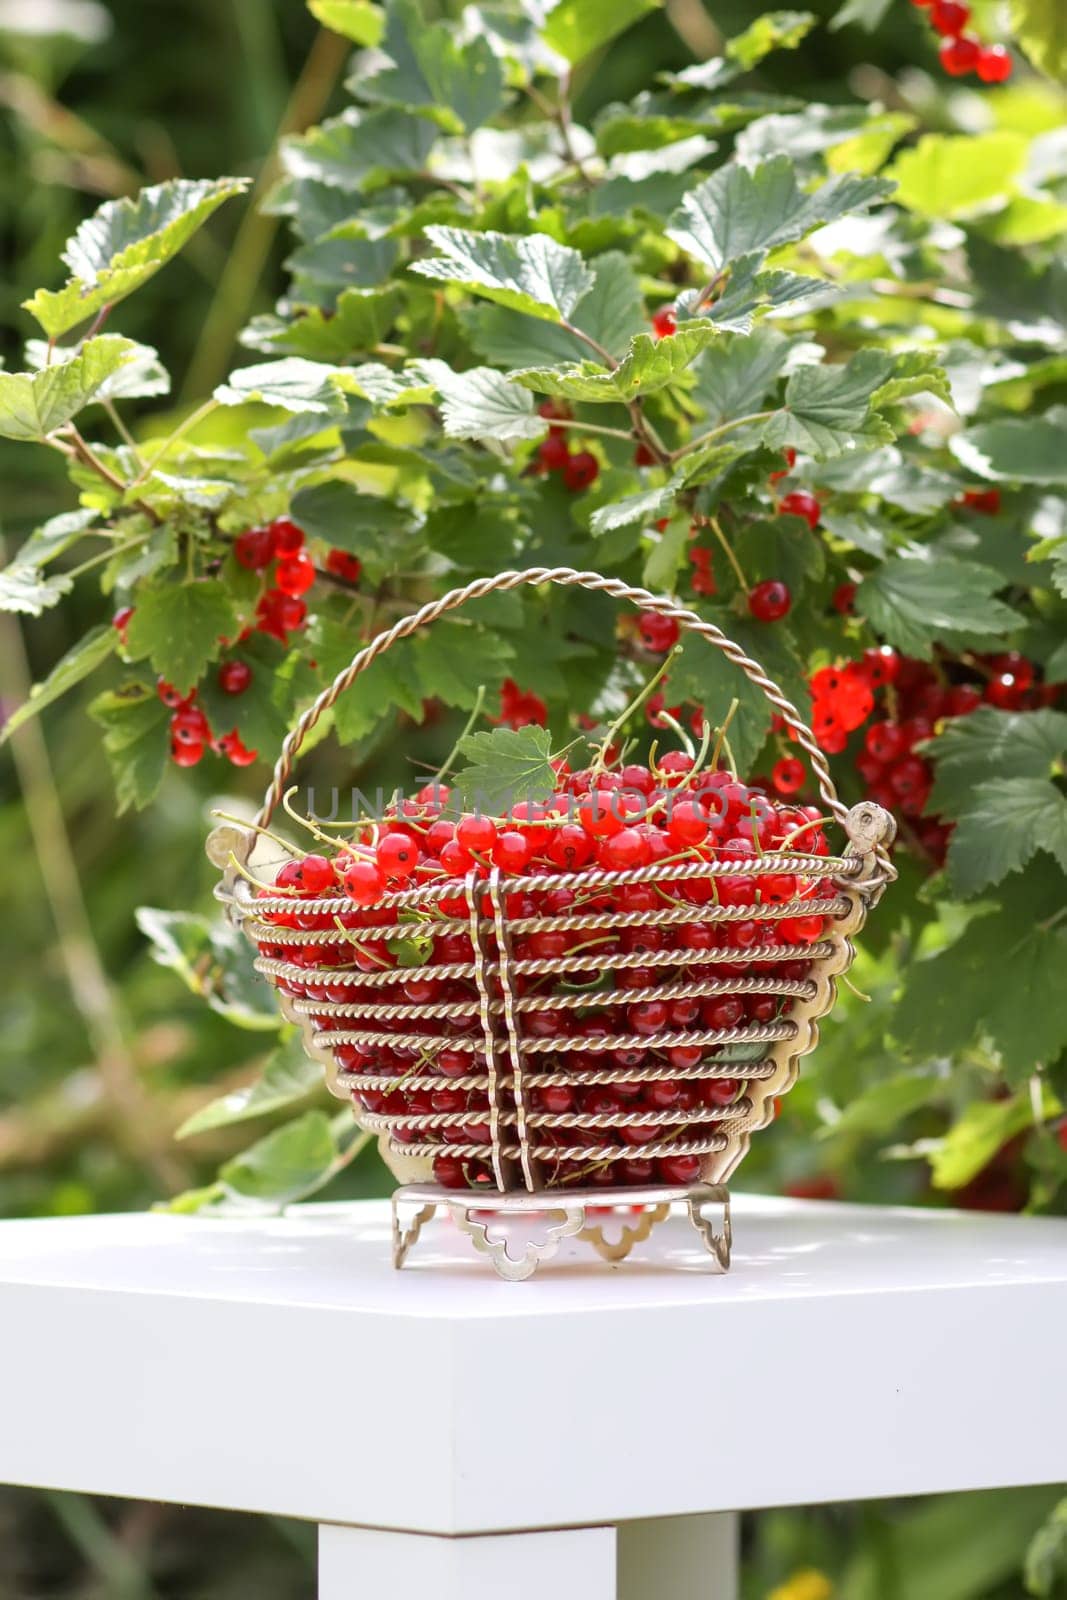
593	1418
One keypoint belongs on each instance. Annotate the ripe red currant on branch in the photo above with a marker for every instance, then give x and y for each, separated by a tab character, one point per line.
769	601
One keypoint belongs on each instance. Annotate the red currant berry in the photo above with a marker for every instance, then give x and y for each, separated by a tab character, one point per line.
448	1171
189	726
884	741
658	634
290	612
788	775
121	621
801	504
962	699
882	664
397	854
477	835
643	456
1004	691
314	875
254	549
364	882
949	17
909	777
294	575
554	452
173	697
687	824
721	1091
783	472
959	56
727	1012
769	601
286	537
581	470
186	753
986	501
664	322
679	1170
236	753
994	66
622	850
512	851
647	1017
234	677
843	599
343	565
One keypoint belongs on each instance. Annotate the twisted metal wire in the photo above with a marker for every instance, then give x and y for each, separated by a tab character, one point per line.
566	577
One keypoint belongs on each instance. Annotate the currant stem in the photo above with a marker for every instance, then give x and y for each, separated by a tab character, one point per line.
728	549
717	433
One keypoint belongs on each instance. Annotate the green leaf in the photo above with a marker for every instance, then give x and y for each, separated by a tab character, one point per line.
340	514
1003	976
575	28
1041	28
358	149
1004	823
828	409
288	1077
286	1165
958	175
739	212
704	675
781	549
388	685
647	507
35	404
879	1110
458	83
919	596
359	322
124	243
776	30
482	403
651	364
79	661
27	589
505	767
214	961
453	660
141	375
137	742
972	1141
1016	451
1046	1558
867	13
179	627
527	272
736	374
1010	744
23	586
293	384
357	20
665	556
611	313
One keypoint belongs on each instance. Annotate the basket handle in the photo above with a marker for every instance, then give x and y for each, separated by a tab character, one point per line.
567	577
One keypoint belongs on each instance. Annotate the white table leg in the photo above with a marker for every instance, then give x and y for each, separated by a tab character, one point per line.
679	1558
371	1564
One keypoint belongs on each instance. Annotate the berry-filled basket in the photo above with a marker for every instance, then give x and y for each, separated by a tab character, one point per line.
606	993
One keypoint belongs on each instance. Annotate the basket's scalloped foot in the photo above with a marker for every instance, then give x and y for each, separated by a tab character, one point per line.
407	1225
717	1244
477	1224
554	1215
630	1233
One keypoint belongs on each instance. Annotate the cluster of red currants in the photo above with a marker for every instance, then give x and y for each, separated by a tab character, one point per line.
190	730
634	998
961	52
281	608
578	468
521	708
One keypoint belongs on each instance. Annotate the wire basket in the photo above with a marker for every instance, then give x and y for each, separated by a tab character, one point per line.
502	1032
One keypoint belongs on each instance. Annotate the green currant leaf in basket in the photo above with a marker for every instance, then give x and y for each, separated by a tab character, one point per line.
1006	744
649	365
35	404
179	627
527	272
1002	977
288	1077
357	20
919	597
504	767
1014	450
214	961
1004	823
137	742
739	212
79	661
460	85
124	243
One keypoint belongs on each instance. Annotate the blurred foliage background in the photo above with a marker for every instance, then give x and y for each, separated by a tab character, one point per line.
103	1053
